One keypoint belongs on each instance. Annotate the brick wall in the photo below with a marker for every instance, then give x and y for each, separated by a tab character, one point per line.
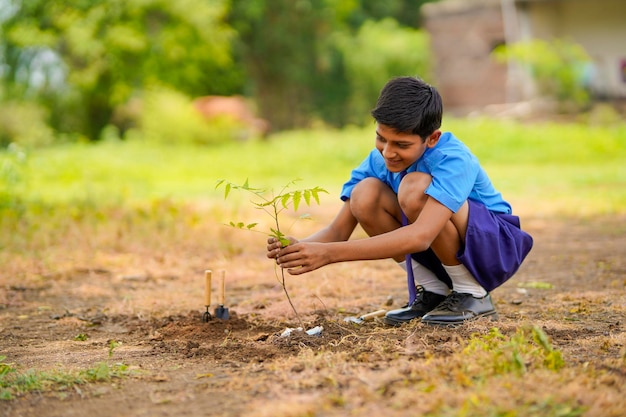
463	35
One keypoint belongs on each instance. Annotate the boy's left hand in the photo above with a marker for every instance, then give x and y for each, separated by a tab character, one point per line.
302	257
274	245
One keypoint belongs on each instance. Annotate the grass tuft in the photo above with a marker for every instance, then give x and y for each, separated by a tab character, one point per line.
14	383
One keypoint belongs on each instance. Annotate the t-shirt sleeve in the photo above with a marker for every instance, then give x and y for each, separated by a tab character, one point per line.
453	178
370	167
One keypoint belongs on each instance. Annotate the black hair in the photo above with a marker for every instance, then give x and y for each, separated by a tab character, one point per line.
409	105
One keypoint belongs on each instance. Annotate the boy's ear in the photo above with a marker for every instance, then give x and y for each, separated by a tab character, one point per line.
433	138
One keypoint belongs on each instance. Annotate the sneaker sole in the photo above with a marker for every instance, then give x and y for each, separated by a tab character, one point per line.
493	315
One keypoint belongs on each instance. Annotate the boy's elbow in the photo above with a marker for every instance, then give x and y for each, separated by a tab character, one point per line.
422	243
421	247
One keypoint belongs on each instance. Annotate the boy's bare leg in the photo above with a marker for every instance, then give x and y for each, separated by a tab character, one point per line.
376	208
447	244
468	299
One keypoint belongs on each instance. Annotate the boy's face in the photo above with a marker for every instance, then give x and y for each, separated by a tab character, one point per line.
401	149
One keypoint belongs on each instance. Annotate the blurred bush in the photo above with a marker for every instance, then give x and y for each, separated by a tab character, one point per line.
168	116
24	123
558	68
379	51
12	163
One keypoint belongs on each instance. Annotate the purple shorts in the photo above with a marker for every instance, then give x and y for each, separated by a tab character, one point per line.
495	246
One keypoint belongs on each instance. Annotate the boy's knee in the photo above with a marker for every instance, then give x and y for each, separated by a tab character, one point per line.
411	192
366	194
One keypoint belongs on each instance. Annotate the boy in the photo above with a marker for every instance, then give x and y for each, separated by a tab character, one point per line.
464	240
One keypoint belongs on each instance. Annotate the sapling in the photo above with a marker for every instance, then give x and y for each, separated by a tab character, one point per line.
274	204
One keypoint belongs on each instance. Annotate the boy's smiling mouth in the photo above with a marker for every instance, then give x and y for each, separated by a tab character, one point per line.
395	164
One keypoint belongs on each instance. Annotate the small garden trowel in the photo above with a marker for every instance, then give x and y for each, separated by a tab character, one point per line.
365	317
221	312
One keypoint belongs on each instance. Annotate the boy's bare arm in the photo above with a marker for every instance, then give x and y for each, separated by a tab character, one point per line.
340	229
304	257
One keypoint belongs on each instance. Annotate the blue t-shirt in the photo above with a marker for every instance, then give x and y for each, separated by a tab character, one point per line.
456	175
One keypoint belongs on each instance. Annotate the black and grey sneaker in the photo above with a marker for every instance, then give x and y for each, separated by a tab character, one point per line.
424	302
458	308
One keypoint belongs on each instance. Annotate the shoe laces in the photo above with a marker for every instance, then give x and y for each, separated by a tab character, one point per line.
419	296
452	299
420	293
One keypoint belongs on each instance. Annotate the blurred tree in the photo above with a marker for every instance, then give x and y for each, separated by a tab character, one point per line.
301	60
405	12
82	58
279	47
303	63
379	51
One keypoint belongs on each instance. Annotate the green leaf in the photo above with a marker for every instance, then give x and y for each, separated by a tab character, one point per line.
218	183
297	196
245	185
276	233
284	199
238	225
280	236
307	197
315	196
227	191
251	226
315	192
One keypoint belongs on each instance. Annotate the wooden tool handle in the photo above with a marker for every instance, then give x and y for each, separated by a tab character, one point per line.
207	287
377	313
222	288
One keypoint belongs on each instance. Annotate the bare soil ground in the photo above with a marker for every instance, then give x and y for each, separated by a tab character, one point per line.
62	309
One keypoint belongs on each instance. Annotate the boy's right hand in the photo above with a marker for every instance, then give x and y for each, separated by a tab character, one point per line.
274	246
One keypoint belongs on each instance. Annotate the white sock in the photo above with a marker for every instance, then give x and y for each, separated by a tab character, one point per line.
427	278
463	281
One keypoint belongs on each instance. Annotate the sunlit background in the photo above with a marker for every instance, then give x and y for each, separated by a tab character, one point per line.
139	99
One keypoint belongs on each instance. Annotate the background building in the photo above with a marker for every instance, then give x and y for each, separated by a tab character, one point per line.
464	33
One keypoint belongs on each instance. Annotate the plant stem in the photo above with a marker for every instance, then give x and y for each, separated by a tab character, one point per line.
284	285
282	274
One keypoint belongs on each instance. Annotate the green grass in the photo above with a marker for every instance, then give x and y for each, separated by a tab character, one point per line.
573	169
15	383
570	168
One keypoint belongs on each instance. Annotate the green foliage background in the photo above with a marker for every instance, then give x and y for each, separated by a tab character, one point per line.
76	67
569	169
81	59
124	73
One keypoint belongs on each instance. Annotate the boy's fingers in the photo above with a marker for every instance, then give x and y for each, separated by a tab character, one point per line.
273	245
299	270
